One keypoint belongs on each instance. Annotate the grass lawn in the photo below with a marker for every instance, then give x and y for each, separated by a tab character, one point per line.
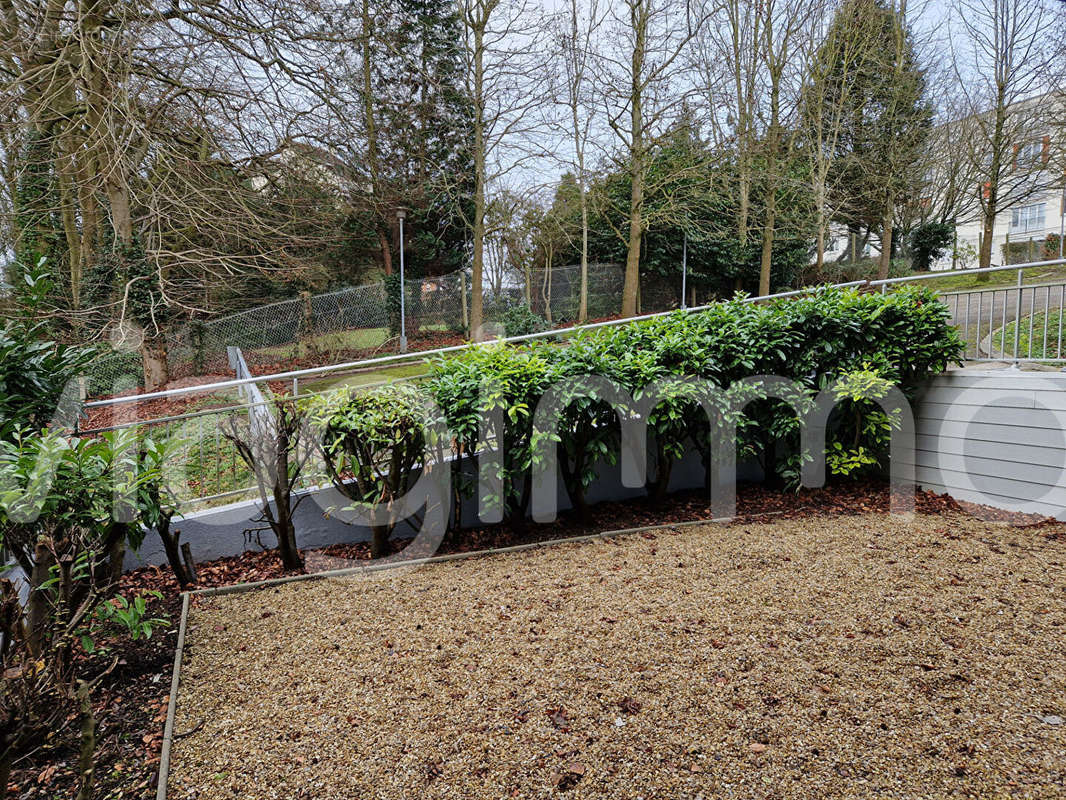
358	339
336	342
959	283
822	657
384	374
1003	338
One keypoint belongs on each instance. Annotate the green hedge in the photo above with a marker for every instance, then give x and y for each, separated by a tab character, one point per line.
872	340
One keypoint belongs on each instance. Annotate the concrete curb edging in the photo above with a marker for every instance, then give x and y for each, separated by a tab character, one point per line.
240	588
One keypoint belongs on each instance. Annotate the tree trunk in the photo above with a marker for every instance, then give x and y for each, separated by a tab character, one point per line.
476	304
70	230
290	553
284	530
379	541
819	250
885	263
631	285
119	201
768	241
386	252
154	359
632	275
372	139
477	270
583	302
87	752
988	228
172	547
38	609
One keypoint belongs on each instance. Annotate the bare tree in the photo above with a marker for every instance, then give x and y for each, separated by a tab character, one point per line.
730	81
155	138
825	100
782	49
1004	65
505	73
644	88
275	447
577	34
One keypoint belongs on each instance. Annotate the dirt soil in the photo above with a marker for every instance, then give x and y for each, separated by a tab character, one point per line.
816	656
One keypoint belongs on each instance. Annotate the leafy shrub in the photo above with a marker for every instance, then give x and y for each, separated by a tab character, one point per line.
930	242
69	508
36	374
871	341
376	437
520	320
501	385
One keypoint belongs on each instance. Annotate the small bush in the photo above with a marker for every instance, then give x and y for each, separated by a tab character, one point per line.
371	442
520	320
930	242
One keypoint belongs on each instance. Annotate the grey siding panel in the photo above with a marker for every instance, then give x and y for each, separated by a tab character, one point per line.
1000	379
995	437
979	431
976	397
1036	474
998	415
1015	489
1008	452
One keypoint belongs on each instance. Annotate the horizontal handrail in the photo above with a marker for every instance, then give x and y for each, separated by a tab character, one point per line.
956	273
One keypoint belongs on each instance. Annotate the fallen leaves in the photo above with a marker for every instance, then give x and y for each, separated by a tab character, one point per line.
559	718
569	776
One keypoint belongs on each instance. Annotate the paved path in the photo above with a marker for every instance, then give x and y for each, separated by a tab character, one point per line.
981	312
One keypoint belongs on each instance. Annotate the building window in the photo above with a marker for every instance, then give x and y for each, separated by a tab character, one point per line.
1028	218
1032	153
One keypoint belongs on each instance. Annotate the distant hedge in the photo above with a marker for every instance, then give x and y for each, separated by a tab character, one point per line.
871	340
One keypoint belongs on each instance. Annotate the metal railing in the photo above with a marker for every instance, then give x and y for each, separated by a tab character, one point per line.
987	318
1015	323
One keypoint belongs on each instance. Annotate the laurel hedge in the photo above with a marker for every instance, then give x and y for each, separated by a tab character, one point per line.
872	341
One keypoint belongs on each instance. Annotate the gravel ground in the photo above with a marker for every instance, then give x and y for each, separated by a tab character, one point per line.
821	657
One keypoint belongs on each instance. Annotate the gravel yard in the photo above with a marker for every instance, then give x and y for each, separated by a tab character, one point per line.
823	657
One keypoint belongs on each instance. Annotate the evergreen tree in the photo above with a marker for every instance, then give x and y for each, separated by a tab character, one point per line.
886	119
421	132
695	193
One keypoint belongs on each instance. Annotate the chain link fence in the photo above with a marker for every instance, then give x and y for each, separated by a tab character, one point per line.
361	320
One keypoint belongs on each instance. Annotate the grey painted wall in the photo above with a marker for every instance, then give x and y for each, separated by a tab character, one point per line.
220	531
996	437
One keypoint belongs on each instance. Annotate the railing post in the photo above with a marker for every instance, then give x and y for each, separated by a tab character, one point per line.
1017	316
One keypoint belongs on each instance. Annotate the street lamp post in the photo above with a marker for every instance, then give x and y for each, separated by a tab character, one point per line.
400	214
1062	219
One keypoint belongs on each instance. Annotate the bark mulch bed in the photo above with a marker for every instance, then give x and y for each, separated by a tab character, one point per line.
811	656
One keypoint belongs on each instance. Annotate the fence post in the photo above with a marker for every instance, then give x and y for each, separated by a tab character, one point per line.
307	324
1017	315
462	294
